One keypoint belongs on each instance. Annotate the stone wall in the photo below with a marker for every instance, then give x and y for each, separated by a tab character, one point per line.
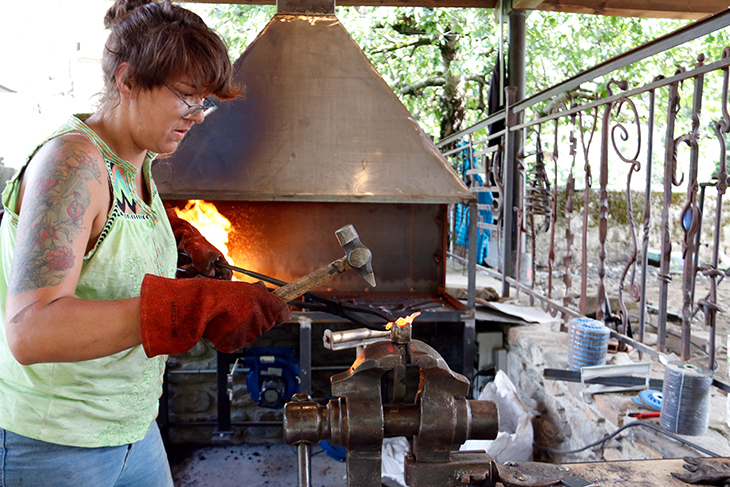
618	239
564	420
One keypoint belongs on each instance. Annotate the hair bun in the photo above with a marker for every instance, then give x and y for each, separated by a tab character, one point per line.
122	9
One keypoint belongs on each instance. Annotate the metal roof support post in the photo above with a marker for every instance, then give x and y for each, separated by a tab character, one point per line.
512	181
471	289
508	213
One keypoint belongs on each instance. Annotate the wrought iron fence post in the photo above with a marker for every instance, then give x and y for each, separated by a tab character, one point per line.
691	217
647	215
669	179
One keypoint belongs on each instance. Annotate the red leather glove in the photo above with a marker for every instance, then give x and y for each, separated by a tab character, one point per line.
201	254
175	313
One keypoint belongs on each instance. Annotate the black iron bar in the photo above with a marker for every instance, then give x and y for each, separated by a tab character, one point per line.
620	381
553	211
569	191
586	201
691	227
635	165
647	216
666	250
721	127
603	206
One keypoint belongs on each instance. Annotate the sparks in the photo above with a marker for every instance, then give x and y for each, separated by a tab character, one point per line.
403	321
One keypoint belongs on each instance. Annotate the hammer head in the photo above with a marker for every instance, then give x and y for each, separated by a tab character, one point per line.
358	256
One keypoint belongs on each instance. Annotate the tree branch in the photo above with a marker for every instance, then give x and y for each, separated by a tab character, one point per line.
476	77
423	41
412	89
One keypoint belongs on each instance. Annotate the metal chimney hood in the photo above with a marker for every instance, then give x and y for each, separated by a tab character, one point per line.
318	123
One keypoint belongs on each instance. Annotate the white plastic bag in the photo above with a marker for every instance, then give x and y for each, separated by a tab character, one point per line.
394	452
514	441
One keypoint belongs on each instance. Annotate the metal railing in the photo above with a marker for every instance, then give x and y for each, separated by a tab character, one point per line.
528	162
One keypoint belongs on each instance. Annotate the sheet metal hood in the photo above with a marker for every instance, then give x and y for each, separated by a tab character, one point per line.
318	123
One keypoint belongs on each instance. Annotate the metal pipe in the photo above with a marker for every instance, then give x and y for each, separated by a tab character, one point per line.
357	338
516	63
223	403
510	173
471	285
335	337
513	184
493	118
305	355
304	464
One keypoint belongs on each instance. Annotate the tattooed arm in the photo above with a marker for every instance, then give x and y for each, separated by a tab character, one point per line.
65	201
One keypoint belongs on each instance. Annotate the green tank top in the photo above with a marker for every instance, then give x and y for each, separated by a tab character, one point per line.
112	400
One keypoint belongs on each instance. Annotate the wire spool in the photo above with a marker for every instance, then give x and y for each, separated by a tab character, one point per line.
686	399
587	343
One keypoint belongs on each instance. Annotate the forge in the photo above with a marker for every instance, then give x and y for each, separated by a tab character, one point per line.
319	142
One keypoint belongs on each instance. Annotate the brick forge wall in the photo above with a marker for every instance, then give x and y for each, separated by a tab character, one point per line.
563	420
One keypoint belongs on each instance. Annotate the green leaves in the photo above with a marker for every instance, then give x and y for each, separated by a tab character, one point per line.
429	56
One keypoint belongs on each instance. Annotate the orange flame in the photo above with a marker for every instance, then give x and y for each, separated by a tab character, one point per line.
205	217
403	321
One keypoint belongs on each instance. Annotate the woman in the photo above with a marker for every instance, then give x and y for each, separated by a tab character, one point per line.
88	260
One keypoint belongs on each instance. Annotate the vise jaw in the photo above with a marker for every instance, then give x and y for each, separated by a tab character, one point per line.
439	419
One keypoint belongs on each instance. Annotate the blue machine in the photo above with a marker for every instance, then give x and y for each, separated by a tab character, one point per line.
273	376
335	452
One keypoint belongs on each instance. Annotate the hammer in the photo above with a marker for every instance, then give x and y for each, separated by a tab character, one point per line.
357	257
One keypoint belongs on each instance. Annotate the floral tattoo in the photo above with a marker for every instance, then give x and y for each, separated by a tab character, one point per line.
54	208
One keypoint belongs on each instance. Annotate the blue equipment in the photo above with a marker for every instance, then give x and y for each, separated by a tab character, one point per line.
273	376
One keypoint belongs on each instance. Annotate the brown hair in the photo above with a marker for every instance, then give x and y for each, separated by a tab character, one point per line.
161	42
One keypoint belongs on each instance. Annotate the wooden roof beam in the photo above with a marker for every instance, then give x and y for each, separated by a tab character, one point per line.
672	9
375	3
526	4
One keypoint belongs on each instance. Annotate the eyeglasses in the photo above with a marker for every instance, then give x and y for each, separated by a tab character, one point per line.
193	110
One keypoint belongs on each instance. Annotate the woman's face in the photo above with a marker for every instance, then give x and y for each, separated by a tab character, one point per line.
156	116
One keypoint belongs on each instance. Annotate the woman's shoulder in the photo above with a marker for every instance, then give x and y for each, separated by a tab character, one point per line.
69	151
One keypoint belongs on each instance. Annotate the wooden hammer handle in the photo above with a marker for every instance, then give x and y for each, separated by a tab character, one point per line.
313	279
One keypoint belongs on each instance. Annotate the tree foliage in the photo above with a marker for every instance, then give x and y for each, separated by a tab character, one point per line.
436	60
439	61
